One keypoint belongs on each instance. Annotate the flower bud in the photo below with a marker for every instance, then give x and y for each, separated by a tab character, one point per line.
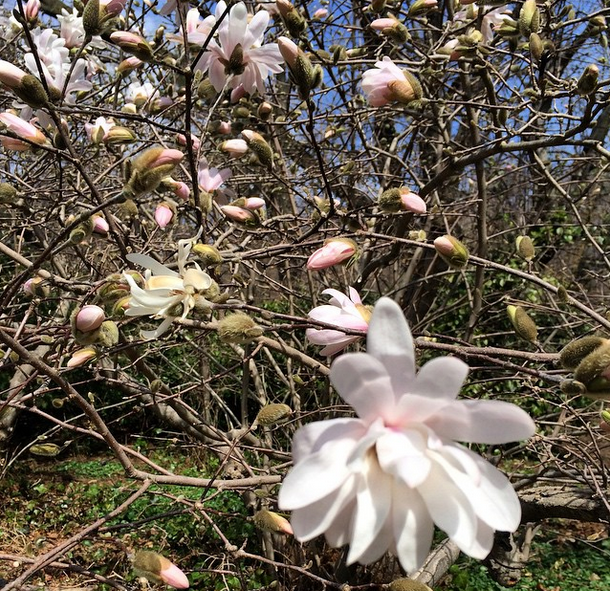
452	251
391	28
92	18
421	7
47	450
405	91
158	569
118	135
254	203
82	231
599	388
128	210
164	214
208	255
27	87
536	47
587	83
100	225
334	251
273	414
240	215
377	6
273	522
35	287
525	248
401	199
417	235
8	194
238	328
594	365
134	44
573	353
292	18
319	14
529	18
524	326
89	318
259	146
234	147
150	168
81	357
405	584
108	334
129	65
300	66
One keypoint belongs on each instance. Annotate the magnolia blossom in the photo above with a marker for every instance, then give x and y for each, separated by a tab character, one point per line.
96	131
210	179
163	214
492	17
197	29
239	56
334	251
387	82
56	65
71	29
138	94
343	311
166	293
381	480
235	147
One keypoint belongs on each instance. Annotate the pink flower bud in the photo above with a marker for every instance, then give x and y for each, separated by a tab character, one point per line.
178	188
100	225
254	203
238	93
239	214
129	64
335	251
173	576
412	202
234	147
10	75
224	127
81	357
320	13
181	139
22	128
289	50
379	24
113	7
163	214
32	286
89	318
31	9
167	156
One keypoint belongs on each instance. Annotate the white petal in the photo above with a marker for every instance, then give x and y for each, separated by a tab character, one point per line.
413	527
310	438
483	421
149	263
373	505
441	377
389	340
315	519
403	455
490	492
339	532
160	330
363	382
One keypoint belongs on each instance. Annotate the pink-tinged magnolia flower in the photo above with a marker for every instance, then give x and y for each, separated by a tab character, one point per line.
320	13
31	9
167	293
129	65
387	83
158	569
179	188
239	56
234	147
334	251
412	202
381	481
343	312
96	131
197	29
71	30
100	225
163	214
167	156
492	17
223	128
210	179
89	318
23	129
171	575
379	24
112	7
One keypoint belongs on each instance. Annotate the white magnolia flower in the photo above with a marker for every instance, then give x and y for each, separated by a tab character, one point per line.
342	311
197	29
72	30
239	56
382	480
139	94
492	17
56	64
210	179
167	294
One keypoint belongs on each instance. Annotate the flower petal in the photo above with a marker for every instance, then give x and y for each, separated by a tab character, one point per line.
356	376
389	340
149	263
441	377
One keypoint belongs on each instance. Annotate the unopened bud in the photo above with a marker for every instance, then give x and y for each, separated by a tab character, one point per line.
8	194
334	252
587	83
108	334
300	66
407	585
81	357
524	326
259	146
594	365
529	18
208	255
452	251
89	318
82	231
273	522
134	44
401	199
265	110
238	328
158	569
32	92
525	248
294	21
421	7
273	414
91	18
118	135
536	47
573	353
